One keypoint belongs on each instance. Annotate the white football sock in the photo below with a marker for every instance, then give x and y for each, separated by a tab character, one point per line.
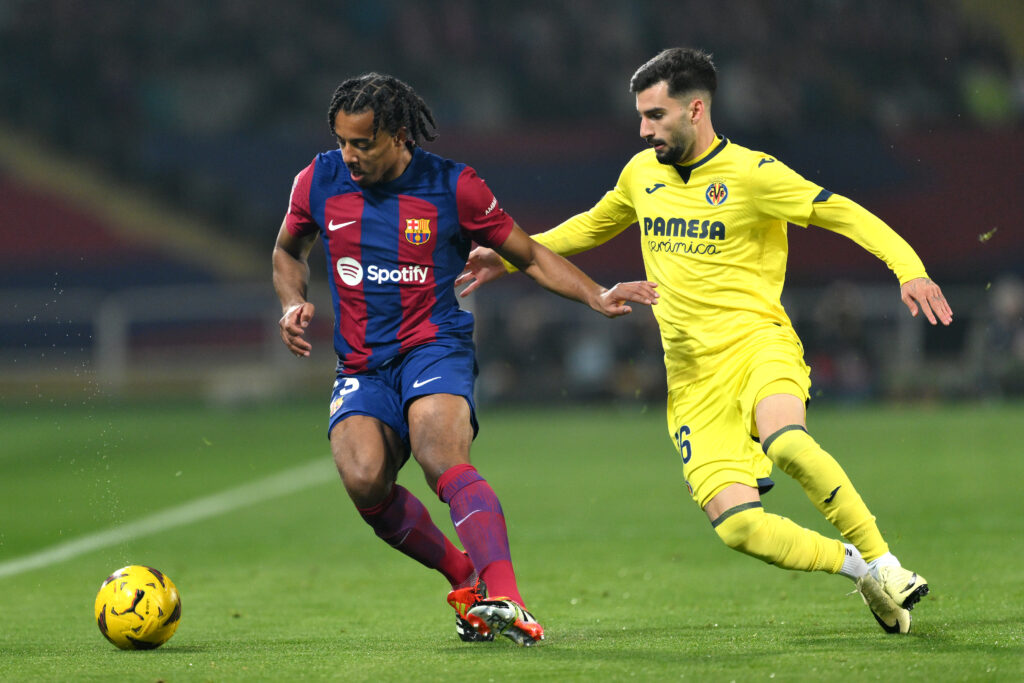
854	565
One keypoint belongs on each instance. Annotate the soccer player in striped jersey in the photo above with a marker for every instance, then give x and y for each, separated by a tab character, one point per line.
396	224
712	219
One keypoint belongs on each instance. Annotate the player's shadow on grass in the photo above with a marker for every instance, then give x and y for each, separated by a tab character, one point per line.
669	644
992	636
188	649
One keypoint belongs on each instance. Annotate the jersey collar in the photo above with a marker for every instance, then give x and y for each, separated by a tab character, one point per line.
684	170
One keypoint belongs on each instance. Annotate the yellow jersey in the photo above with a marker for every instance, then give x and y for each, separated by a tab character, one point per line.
713	236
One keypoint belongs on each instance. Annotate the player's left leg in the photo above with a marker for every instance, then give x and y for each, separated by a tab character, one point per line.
368	454
368	437
781	420
440	432
725	472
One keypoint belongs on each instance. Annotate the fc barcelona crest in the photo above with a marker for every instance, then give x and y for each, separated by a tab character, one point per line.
417	230
716	193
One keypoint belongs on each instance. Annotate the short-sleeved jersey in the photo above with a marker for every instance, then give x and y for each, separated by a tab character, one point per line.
394	250
713	236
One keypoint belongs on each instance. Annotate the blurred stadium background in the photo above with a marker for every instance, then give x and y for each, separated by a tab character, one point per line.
147	150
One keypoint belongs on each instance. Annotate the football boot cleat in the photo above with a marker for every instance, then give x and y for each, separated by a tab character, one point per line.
890	616
501	616
461	600
905	587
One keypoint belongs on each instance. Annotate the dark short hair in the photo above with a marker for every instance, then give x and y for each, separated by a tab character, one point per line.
394	103
683	68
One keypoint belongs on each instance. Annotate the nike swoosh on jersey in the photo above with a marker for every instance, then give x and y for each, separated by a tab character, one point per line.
419	383
765	161
334	226
652	190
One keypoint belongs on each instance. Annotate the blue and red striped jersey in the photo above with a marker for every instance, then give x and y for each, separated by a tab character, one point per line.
394	250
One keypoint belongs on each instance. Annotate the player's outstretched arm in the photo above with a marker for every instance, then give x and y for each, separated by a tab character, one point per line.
921	294
291	279
482	266
846	217
556	274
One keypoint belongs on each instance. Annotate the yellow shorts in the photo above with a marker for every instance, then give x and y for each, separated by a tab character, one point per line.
711	421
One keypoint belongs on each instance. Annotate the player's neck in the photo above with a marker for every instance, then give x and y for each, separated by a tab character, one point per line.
398	169
706	139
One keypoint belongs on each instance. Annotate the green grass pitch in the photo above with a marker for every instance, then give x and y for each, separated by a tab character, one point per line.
612	556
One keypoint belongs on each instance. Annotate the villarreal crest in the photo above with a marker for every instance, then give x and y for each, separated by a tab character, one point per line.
417	230
716	193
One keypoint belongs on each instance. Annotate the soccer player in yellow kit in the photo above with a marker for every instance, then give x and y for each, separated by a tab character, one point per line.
712	218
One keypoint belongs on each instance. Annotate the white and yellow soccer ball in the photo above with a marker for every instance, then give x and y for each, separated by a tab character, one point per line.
138	608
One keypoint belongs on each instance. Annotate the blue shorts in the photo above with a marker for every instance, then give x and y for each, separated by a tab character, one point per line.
385	393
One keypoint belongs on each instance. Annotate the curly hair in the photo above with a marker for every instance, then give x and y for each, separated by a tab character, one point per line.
394	103
683	68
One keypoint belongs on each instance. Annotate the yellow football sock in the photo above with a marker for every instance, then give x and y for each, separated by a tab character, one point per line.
778	540
826	484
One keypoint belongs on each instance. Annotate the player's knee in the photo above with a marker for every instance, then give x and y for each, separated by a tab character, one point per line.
366	483
739	527
792	449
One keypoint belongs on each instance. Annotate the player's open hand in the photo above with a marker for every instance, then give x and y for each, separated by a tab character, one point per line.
612	302
921	294
483	265
293	326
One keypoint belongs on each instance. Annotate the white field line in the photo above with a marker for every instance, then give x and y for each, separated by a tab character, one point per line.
280	484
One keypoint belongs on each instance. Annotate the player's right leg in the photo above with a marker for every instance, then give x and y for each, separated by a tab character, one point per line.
724	470
737	516
462	598
740	521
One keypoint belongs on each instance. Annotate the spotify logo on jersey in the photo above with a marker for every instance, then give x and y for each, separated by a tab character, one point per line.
351	273
349	270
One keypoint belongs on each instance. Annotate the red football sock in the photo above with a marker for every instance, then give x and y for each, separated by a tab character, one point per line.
404	523
480	524
501	573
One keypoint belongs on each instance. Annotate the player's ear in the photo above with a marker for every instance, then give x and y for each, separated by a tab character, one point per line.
698	109
402	136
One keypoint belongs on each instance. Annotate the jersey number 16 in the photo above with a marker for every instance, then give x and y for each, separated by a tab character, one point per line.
684	443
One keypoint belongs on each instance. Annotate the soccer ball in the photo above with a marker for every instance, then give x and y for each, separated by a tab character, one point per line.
138	608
